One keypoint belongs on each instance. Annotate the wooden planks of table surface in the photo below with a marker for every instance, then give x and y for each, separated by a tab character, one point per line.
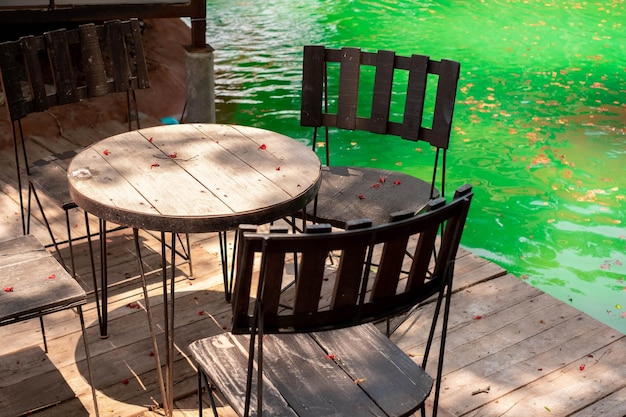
527	355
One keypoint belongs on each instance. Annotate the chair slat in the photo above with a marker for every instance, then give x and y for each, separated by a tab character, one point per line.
141	68
31	47
95	72
60	59
119	57
444	104
350	270
274	266
416	91
13	74
391	260
241	292
383	83
310	274
313	72
350	70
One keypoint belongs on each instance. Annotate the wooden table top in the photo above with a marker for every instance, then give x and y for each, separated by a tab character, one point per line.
194	178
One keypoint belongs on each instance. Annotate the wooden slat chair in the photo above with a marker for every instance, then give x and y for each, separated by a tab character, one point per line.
303	353
34	284
63	67
396	100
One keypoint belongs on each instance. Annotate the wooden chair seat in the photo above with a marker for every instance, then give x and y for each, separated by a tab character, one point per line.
356	371
34	284
366	193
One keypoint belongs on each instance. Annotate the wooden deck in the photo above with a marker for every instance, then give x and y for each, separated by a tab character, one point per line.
512	350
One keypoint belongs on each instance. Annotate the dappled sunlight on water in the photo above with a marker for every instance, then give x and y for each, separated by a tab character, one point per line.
539	124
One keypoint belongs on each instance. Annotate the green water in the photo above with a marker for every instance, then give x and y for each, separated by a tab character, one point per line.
539	121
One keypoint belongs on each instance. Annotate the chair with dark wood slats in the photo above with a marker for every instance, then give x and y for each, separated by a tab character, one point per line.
389	96
313	350
63	67
33	284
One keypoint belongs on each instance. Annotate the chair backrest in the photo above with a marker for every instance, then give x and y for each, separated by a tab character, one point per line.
382	271
411	97
66	66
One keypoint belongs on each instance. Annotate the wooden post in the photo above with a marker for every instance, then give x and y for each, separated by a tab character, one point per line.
200	80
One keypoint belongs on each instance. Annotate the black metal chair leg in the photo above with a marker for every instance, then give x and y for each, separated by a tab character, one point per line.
69	243
88	357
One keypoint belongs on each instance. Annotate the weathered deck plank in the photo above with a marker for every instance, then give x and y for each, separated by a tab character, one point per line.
525	346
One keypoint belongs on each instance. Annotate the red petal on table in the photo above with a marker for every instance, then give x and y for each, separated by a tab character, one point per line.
277	168
361	197
582	367
376	185
8	289
263	147
150	140
173	155
201	313
478	317
125	381
396	182
106	152
154	166
382	180
52	276
331	356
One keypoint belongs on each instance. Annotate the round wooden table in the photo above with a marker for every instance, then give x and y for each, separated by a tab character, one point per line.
194	178
190	178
